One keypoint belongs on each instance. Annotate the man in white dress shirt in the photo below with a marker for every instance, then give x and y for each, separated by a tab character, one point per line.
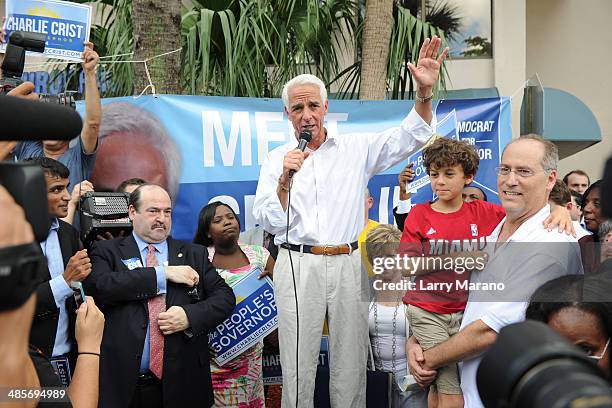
325	218
522	256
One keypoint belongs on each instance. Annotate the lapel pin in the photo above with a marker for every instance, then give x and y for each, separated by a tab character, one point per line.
180	255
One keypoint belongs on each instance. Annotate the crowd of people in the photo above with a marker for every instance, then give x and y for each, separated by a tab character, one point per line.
456	270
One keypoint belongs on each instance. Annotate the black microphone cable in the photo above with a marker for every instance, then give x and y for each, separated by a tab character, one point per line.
304	139
297	313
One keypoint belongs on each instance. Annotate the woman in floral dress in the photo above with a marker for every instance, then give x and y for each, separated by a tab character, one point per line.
238	383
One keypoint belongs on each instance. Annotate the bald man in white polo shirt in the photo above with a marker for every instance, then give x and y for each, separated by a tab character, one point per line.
522	256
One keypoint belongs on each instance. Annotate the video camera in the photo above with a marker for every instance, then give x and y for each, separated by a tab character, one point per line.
531	366
103	212
14	62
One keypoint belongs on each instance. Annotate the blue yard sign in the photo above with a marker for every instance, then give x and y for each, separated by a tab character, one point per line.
253	318
65	24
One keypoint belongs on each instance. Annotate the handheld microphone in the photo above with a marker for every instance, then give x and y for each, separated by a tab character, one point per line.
305	138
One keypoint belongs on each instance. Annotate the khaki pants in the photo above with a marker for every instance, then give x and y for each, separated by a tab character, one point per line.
431	329
332	284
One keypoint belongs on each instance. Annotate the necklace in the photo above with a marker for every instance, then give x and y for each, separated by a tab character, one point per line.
377	362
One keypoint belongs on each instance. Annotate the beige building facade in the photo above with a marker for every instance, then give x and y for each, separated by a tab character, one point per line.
566	42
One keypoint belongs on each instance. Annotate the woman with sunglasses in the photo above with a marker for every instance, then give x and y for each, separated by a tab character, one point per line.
578	308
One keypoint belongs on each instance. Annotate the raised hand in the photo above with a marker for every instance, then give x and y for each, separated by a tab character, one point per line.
90	58
427	70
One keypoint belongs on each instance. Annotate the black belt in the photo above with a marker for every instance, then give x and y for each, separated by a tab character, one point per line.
328	250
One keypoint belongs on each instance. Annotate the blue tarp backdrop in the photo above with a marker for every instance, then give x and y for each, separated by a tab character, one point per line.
224	141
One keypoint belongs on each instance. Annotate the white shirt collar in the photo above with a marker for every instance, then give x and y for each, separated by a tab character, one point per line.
533	222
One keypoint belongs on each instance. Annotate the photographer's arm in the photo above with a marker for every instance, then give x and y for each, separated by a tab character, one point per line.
16	368
6	148
93	106
83	390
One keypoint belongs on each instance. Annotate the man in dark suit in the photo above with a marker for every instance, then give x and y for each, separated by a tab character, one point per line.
54	319
160	298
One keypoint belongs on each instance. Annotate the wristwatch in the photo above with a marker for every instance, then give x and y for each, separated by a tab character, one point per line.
423	99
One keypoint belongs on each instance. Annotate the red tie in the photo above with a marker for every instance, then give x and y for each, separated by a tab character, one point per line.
156	305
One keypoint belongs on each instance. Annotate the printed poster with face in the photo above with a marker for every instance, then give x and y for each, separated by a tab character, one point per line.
204	149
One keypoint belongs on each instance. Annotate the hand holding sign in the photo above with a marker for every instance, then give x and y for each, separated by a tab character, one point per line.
90	58
64	24
404	178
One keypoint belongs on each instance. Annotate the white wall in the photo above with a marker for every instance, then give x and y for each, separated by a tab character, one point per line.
568	45
509	53
507	69
470	73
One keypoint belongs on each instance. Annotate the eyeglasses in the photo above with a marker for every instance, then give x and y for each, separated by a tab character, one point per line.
523	173
603	353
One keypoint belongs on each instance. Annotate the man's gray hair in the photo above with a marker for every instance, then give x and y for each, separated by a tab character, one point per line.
604	228
304	79
550	160
126	117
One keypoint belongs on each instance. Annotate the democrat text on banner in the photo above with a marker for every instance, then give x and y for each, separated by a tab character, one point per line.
65	24
253	318
224	140
479	125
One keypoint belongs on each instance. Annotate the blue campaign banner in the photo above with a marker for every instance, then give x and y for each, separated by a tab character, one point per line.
66	25
224	140
485	125
253	318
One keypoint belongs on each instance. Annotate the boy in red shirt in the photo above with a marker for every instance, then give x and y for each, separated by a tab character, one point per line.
448	236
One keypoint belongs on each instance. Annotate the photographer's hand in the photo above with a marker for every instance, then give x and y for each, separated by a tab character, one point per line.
89	327
6	147
108	236
83	390
25	90
77	192
16	230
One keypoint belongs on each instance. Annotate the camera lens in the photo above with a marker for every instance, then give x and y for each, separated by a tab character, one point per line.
531	366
